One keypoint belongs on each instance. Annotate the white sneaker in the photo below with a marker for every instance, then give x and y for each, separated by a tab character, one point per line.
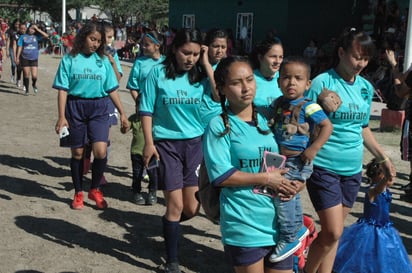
12	79
18	83
24	89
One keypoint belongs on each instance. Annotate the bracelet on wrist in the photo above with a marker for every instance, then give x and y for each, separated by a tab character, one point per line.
383	160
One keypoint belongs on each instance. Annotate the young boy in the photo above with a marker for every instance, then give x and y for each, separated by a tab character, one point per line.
137	163
296	119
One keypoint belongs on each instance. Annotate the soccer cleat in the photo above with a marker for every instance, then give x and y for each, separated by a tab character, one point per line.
97	196
78	200
284	250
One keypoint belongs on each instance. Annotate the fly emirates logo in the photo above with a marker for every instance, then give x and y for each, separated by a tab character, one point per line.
181	98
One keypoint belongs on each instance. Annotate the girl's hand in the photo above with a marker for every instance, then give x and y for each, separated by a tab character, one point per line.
124	124
204	57
389	171
280	184
148	152
60	124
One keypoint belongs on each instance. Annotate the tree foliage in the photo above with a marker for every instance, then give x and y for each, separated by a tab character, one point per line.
119	10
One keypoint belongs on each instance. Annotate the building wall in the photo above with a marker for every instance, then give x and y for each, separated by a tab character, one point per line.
295	21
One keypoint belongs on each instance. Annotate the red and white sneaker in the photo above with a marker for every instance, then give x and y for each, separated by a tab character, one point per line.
78	201
97	196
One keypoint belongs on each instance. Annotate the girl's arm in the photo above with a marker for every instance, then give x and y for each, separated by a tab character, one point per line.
44	34
124	122
209	72
149	149
273	180
18	53
114	66
376	150
61	107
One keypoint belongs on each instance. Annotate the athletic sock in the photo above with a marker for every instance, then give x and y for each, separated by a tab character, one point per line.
26	83
97	171
171	234
76	167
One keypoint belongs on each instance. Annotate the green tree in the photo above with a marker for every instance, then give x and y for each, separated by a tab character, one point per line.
143	10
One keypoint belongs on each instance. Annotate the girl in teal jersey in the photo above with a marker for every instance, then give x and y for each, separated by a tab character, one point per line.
337	173
213	51
85	81
170	116
241	136
266	59
152	45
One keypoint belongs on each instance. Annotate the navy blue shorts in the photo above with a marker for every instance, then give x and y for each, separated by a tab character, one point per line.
327	189
113	113
179	163
88	121
243	256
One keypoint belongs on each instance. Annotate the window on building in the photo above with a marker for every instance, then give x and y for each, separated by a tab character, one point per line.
188	21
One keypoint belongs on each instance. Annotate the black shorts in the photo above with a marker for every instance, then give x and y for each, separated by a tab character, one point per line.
28	63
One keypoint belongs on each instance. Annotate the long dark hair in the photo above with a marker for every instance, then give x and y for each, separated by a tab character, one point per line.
182	37
80	39
261	48
220	75
345	42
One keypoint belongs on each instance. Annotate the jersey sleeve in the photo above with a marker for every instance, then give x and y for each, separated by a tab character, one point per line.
61	80
111	83
218	164
148	99
117	61
133	81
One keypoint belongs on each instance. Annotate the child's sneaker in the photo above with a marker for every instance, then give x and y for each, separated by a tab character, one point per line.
97	196
35	90
12	79
78	200
151	198
302	233
138	198
284	250
18	83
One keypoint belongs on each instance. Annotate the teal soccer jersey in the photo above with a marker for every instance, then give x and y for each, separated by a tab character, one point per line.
140	70
242	149
85	76
267	90
174	105
343	152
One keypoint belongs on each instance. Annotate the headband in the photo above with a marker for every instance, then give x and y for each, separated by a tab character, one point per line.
152	38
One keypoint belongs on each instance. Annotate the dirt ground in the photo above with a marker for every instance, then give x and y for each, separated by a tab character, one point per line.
40	233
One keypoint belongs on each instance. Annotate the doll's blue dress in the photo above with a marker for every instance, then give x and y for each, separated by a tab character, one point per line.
372	244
